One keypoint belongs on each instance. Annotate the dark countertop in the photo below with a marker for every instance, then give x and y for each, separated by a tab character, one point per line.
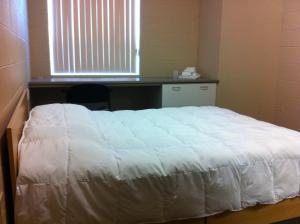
111	81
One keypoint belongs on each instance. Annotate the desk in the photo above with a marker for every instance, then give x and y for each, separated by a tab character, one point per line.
49	82
126	92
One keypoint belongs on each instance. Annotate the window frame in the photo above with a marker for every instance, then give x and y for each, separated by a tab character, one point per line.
136	39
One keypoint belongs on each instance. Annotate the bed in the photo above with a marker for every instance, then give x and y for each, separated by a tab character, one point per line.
152	166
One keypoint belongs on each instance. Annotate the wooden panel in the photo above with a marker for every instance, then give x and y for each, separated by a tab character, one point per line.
261	214
14	133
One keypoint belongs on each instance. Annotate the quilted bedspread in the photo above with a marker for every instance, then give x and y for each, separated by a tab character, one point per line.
79	166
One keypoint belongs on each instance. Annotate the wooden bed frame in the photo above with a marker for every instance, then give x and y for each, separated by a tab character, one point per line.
14	133
260	214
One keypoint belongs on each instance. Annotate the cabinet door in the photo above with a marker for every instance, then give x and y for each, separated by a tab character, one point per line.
176	95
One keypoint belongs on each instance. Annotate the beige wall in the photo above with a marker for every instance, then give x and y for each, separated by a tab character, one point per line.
169	36
209	37
38	36
257	59
13	63
288	92
249	54
251	46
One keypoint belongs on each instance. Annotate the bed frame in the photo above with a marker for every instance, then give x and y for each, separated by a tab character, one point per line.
260	214
14	134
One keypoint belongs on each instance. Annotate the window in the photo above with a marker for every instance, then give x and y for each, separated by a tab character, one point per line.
94	37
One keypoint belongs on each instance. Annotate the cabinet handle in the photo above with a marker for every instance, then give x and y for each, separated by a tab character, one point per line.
204	88
176	88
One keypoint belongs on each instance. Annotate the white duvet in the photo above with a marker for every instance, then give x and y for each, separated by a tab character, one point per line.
79	166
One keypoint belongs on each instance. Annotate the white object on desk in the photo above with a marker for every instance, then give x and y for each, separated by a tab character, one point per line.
191	94
189	73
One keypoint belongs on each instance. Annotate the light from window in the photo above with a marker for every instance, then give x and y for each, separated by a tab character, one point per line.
94	37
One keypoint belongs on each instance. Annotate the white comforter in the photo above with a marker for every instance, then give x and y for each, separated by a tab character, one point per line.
78	166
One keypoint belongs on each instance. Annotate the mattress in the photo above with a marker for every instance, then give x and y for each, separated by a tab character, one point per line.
79	166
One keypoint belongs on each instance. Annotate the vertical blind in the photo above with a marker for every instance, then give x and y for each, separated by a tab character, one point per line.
94	36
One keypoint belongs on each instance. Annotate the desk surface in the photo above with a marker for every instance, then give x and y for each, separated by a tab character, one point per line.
67	81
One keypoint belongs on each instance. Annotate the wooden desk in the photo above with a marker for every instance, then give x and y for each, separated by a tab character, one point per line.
126	92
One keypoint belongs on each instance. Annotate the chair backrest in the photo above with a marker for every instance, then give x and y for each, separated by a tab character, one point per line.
90	95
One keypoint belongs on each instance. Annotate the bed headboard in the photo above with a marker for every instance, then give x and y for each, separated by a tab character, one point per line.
14	133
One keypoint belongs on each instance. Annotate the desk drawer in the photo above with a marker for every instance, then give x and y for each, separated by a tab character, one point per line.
176	95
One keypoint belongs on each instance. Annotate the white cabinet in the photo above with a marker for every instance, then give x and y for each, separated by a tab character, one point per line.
191	94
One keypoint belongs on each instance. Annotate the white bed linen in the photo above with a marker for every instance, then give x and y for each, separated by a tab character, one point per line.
79	166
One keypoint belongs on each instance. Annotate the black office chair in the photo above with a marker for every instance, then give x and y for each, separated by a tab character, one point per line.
92	96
